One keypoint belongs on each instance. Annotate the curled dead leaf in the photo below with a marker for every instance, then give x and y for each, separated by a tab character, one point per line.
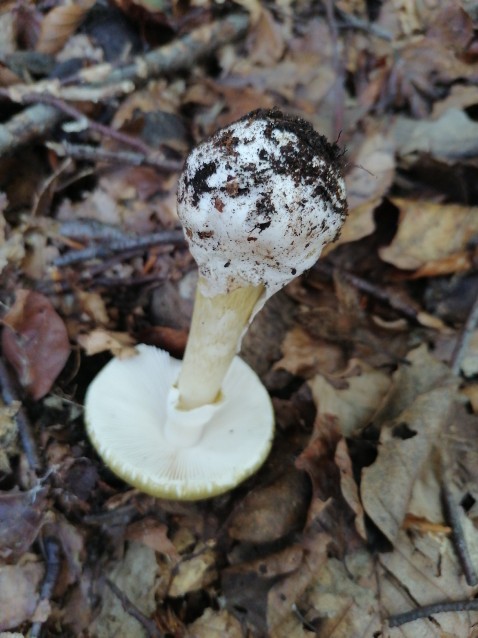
120	344
60	23
432	238
21	518
35	342
19	592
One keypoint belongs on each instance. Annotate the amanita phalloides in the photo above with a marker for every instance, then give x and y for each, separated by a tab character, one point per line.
258	201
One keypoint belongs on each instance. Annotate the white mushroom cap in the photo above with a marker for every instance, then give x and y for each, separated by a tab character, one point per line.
132	420
259	200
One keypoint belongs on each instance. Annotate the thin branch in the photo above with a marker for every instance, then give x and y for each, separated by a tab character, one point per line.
76	114
464	338
10	395
174	237
131	609
430	610
180	54
409	310
52	552
32	123
453	517
184	53
82	228
98	154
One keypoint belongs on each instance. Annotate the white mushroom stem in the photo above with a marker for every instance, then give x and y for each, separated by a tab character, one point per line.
218	324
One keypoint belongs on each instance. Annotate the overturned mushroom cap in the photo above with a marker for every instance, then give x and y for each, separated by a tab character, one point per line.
259	200
132	419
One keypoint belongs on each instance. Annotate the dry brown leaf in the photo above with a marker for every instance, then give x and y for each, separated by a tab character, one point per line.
431	238
215	624
269	513
304	355
405	446
153	534
469	364
94	306
35	342
349	487
352	396
266	40
422	373
21	518
471	392
247	586
283	595
452	137
344	597
120	344
12	247
194	573
60	23
19	592
423	570
367	182
8	435
136	576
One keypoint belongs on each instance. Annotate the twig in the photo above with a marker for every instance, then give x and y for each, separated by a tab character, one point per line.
85	228
32	123
464	338
9	396
430	610
180	54
452	515
350	21
382	294
76	114
132	610
174	237
98	154
37	121
51	549
129	282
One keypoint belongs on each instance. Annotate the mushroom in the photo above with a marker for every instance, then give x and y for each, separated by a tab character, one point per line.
258	201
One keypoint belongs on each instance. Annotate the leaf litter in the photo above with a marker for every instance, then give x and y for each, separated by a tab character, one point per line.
367	506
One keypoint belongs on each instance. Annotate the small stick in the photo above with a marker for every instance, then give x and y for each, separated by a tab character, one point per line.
382	294
51	549
10	395
98	154
183	53
350	21
76	114
85	228
430	610
452	514
132	610
114	282
180	54
32	123
464	338
174	237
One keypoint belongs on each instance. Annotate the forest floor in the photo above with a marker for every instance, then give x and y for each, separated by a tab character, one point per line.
363	522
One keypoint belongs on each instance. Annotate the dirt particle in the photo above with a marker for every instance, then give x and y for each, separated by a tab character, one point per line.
205	234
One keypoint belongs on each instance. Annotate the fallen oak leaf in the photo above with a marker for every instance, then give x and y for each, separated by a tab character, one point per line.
120	344
35	342
432	238
19	596
406	443
21	518
59	24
